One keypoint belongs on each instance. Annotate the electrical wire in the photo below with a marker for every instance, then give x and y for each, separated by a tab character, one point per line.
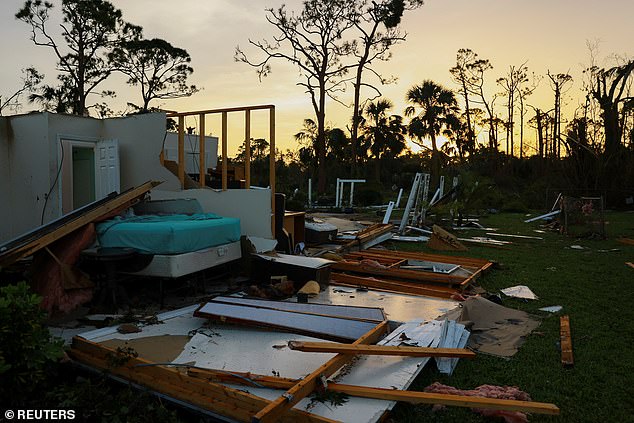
59	170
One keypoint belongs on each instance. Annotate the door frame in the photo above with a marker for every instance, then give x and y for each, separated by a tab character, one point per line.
66	143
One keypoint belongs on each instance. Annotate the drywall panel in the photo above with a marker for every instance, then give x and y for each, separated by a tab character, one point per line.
192	156
140	144
25	176
251	206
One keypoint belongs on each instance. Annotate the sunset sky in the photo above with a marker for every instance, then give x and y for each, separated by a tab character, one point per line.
550	35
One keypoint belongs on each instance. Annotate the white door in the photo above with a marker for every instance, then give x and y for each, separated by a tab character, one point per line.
107	169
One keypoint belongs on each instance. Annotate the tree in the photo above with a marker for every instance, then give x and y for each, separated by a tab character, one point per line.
462	75
377	27
312	41
159	68
610	92
90	29
557	83
511	83
438	109
385	134
475	69
30	80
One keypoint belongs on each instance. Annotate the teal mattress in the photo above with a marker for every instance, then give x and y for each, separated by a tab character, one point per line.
172	234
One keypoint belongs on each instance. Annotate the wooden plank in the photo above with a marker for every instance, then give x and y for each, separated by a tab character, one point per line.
463	261
273	411
567	358
629	264
181	151
220	399
201	150
272	165
411	397
332	347
225	159
625	241
247	149
47	234
394	273
411	288
226	109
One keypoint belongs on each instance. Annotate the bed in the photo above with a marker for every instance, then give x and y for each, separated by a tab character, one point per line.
179	243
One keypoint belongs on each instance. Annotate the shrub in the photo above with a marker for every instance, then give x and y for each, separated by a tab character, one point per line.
26	347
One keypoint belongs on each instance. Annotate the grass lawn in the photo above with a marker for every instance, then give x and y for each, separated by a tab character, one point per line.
595	290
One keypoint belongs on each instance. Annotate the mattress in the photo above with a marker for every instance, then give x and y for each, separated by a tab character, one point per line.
171	234
177	265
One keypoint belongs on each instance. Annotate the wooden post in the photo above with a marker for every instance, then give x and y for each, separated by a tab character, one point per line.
202	167
247	149
275	409
181	151
225	159
272	164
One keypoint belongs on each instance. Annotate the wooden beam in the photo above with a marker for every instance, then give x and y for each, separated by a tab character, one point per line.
225	159
463	261
223	110
277	408
412	397
181	151
412	275
567	358
410	288
272	165
247	149
47	234
217	398
333	347
201	150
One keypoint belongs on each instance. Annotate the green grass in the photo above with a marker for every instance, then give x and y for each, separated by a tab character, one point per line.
595	288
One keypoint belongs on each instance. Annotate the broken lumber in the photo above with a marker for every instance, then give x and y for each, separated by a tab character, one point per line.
223	400
444	241
45	235
412	397
333	347
276	408
402	287
567	358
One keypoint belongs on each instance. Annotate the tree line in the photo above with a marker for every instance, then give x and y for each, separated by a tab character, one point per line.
95	42
335	44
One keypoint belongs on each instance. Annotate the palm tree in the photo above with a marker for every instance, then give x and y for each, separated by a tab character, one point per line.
437	113
385	134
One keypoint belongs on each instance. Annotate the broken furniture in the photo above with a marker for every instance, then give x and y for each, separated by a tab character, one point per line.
299	269
110	260
408	272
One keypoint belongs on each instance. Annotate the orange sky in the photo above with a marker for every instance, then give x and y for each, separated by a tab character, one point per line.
550	35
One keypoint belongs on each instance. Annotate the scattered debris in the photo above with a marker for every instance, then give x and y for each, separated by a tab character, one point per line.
543	216
519	291
495	329
444	241
552	309
497	393
567	359
128	328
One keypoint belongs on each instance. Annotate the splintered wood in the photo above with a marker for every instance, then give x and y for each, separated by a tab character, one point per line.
566	342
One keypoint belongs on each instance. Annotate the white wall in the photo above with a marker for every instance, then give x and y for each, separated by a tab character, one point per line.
30	159
140	143
251	206
24	173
